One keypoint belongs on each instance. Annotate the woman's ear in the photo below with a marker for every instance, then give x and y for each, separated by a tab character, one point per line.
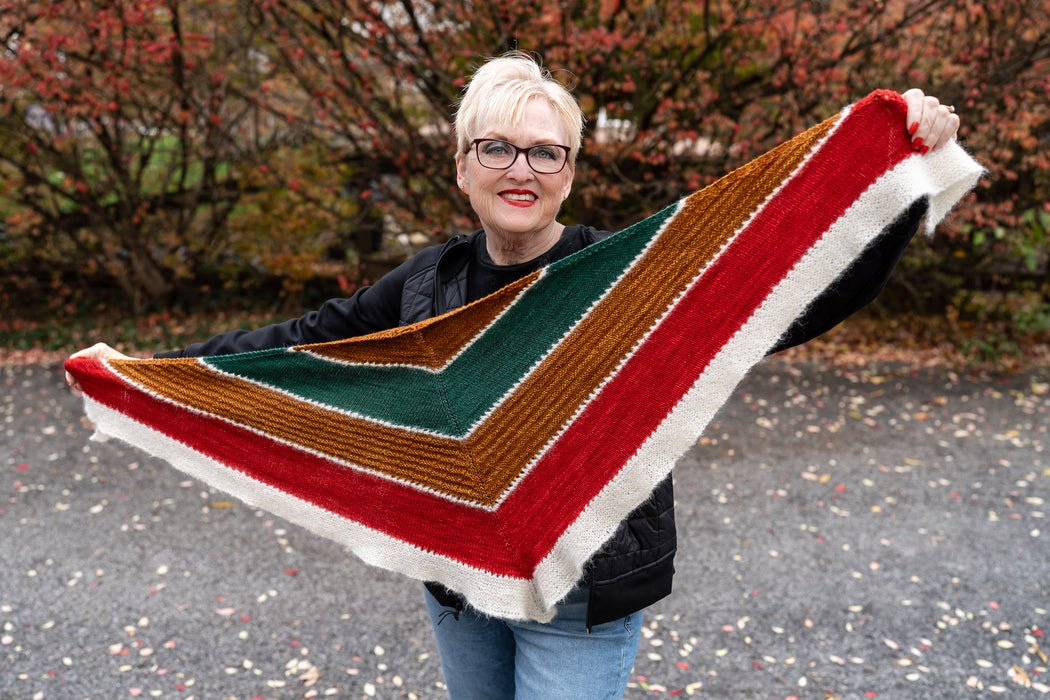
461	175
568	184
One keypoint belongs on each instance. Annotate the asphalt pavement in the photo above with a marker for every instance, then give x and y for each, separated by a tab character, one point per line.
844	533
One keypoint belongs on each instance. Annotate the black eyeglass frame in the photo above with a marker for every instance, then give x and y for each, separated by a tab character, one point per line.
518	150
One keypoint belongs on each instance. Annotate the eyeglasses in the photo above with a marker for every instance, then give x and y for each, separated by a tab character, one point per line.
544	158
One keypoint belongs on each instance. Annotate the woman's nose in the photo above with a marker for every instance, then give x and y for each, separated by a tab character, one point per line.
520	168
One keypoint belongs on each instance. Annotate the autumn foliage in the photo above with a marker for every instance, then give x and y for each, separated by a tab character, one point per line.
161	143
129	134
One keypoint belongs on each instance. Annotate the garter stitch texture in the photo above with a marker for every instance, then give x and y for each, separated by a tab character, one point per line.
496	448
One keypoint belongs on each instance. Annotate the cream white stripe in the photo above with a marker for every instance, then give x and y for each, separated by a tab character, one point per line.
944	175
352	466
500	596
699	273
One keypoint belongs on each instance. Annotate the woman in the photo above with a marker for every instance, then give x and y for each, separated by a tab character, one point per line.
518	136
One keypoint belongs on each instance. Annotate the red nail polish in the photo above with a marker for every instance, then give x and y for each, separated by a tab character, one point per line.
913	128
916	144
924	150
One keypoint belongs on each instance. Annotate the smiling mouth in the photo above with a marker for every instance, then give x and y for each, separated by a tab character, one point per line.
519	196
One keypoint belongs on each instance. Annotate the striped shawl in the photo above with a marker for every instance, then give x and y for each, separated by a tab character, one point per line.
494	449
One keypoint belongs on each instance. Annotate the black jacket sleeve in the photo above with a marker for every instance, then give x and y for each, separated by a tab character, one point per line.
370	309
859	284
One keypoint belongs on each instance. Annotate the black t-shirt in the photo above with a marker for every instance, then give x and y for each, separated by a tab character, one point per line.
486	277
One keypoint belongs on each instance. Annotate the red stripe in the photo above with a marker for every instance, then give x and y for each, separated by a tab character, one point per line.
613	426
667	365
402	512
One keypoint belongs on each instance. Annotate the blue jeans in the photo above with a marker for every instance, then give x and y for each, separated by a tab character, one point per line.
484	657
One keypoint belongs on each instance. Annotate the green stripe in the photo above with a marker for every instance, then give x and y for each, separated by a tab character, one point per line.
486	371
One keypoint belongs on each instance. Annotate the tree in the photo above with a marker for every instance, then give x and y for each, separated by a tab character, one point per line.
125	133
147	140
677	94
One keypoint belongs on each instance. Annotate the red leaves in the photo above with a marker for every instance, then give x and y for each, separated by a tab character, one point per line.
700	92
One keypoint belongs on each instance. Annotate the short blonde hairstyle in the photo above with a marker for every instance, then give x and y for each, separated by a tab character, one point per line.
499	92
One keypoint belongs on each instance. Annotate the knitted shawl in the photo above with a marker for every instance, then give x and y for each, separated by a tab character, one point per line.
496	448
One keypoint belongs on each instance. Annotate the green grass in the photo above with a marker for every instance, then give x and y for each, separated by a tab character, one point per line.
161	171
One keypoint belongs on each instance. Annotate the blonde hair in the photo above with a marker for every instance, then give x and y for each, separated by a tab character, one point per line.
499	92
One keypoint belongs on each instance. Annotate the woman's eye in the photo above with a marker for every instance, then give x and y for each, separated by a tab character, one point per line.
496	148
544	153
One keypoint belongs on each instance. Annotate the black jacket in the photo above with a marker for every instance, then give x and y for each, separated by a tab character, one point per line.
635	567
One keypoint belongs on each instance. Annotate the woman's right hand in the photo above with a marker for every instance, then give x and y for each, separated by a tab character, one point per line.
98	351
929	123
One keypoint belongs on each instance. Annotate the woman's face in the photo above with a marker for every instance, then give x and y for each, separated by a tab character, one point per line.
517	203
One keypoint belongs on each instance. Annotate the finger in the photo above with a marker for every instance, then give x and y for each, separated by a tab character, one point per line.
949	126
72	383
930	124
98	351
944	128
913	99
90	352
927	128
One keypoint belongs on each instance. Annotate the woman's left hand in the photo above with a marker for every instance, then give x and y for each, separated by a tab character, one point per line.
929	123
98	351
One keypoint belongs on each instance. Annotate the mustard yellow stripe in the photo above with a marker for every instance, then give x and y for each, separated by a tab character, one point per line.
481	468
423	345
526	420
430	461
